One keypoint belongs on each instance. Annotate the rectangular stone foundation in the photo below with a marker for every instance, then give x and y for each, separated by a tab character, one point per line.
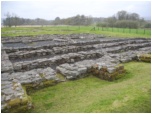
109	73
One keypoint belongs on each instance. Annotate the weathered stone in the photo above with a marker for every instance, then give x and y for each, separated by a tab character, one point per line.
82	70
111	70
6	86
71	55
3	98
8	97
7	91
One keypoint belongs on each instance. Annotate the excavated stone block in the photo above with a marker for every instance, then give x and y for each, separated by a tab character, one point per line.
144	57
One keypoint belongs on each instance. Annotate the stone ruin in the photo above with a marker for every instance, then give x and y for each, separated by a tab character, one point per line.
35	62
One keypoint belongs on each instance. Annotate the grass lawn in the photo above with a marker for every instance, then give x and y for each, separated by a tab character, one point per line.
115	32
131	93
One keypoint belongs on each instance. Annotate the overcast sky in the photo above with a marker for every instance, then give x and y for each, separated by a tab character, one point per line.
66	8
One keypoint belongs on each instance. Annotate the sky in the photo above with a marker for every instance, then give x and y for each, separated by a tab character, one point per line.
67	8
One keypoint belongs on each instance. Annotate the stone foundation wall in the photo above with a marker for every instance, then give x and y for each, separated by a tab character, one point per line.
6	65
36	62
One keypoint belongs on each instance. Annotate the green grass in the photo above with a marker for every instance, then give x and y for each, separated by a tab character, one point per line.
32	31
131	93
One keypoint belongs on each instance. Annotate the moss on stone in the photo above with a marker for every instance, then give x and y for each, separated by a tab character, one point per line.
21	109
120	66
60	76
24	100
14	102
145	60
18	109
105	75
96	72
28	86
42	75
48	82
104	68
18	104
145	57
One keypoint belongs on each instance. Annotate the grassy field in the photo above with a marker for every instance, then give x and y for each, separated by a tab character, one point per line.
115	32
132	93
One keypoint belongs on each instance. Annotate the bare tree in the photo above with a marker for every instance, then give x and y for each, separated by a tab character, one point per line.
8	21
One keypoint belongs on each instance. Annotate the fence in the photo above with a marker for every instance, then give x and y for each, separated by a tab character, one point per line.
123	30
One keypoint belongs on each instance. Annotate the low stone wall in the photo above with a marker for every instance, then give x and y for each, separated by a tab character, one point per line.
116	47
71	42
144	57
88	54
49	37
45	52
79	56
6	65
57	60
14	97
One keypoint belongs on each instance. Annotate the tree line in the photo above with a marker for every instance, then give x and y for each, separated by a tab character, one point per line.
123	19
14	20
76	20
